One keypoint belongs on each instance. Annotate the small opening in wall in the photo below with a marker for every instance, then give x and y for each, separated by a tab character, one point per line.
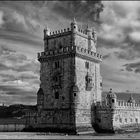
120	120
56	95
101	84
74	94
87	65
99	120
63	98
57	64
112	100
125	120
136	120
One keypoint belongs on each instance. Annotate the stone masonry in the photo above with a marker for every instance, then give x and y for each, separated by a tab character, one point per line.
70	79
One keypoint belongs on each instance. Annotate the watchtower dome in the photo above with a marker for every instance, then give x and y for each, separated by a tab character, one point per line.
70	78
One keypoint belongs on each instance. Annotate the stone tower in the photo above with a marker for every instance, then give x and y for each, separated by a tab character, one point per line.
70	79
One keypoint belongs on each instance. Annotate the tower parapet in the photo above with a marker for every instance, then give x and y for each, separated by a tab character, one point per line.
77	36
69	50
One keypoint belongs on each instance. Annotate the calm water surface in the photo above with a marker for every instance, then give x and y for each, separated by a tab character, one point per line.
34	135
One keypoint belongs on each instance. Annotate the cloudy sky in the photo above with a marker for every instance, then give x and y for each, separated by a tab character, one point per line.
21	37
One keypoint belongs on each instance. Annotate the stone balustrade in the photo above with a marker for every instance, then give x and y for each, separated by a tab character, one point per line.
124	104
119	104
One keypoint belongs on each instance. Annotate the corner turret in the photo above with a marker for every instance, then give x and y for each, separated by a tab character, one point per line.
40	99
111	99
89	33
94	35
74	26
46	32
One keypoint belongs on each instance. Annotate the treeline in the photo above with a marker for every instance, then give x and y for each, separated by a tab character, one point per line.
15	111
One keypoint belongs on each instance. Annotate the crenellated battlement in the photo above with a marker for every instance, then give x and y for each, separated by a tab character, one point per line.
68	30
102	105
82	31
71	49
58	32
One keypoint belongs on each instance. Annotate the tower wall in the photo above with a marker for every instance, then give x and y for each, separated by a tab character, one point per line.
69	79
86	97
82	40
49	84
58	41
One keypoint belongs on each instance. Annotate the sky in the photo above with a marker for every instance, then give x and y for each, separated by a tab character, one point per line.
21	38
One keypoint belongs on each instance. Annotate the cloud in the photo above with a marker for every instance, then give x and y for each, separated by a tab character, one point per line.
18	25
130	54
1	19
79	9
135	67
5	50
16	61
121	29
135	36
106	56
19	77
120	81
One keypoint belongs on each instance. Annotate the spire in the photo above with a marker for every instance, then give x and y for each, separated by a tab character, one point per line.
74	20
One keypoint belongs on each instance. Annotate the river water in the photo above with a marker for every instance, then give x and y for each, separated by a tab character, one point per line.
34	135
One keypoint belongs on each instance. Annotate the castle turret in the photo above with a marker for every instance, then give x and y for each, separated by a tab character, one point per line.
40	99
89	33
94	35
46	32
111	98
74	26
